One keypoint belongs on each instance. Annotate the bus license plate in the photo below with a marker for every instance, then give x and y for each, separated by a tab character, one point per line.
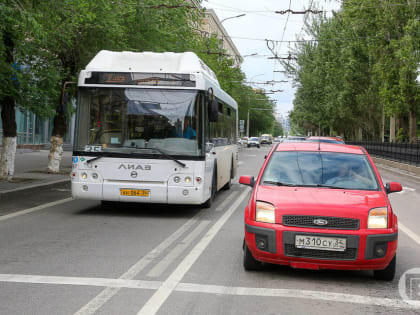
135	192
321	243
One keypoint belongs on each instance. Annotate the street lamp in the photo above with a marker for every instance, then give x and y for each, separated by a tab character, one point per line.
232	17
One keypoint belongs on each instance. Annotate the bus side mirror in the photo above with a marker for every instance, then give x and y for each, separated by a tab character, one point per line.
212	111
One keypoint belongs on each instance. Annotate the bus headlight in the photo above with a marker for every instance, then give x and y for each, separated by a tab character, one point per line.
95	175
378	218
177	179
84	176
264	212
187	179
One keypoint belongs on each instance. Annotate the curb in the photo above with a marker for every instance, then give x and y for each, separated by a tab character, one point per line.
406	169
2	192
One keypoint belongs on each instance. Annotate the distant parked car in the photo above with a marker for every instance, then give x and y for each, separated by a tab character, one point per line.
294	139
266	139
336	140
253	142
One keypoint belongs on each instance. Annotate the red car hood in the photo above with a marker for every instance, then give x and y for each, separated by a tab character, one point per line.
321	201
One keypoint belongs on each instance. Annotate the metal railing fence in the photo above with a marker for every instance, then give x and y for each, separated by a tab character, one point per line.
408	153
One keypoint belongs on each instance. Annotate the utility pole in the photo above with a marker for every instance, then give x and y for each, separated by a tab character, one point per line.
247	125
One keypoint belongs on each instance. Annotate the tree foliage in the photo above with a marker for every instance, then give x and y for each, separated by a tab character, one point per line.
54	40
363	64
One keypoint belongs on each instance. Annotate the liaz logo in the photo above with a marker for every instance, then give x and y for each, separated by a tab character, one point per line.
135	167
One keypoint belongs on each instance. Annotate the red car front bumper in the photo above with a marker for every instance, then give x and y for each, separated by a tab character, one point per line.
365	249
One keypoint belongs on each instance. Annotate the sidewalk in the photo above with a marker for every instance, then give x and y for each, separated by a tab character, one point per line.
31	171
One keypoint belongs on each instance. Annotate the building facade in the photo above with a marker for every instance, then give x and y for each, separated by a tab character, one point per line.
212	25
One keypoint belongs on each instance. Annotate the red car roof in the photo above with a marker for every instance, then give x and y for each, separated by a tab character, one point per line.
324	147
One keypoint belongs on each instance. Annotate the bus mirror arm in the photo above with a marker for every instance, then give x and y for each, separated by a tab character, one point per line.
209	147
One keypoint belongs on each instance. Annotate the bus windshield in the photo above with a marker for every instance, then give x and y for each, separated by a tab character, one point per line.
116	120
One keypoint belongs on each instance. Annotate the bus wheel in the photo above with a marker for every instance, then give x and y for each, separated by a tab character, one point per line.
209	201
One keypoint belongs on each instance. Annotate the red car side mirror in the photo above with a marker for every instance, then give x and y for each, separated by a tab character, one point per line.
247	180
393	187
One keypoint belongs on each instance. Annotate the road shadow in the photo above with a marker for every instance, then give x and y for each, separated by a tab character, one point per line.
140	210
289	273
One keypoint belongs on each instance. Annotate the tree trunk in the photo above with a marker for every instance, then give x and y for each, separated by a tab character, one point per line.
8	117
59	130
413	126
359	134
7	166
392	128
383	126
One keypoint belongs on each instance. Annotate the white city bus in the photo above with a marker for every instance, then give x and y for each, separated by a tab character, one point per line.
152	128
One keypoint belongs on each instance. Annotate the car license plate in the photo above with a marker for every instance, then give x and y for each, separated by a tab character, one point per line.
135	192
321	243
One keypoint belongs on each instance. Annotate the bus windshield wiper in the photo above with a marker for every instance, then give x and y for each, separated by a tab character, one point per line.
157	150
278	183
139	148
96	158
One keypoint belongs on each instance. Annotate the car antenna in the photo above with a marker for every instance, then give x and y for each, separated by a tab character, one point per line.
319	144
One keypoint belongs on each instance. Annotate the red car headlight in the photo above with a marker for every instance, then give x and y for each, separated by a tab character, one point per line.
264	212
378	218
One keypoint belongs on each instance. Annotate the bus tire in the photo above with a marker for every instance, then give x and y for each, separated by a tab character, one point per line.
209	201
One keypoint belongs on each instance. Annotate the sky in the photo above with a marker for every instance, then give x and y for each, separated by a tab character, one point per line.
260	22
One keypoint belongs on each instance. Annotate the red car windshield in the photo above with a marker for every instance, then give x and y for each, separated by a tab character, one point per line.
318	169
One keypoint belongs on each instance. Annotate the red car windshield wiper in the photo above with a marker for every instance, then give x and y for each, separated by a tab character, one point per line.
278	183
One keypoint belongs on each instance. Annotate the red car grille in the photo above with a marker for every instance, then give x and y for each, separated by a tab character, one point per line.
332	222
348	254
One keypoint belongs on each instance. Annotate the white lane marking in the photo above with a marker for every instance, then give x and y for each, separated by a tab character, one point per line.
35	186
298	294
160	296
213	289
41	207
98	301
410	233
406	189
177	251
226	201
251	155
97	282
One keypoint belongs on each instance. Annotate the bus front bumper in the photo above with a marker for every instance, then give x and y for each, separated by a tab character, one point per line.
144	192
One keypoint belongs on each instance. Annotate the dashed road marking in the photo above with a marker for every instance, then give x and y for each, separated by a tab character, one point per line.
177	251
30	210
406	189
226	201
214	289
98	301
159	297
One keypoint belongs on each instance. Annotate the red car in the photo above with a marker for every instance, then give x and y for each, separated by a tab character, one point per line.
320	206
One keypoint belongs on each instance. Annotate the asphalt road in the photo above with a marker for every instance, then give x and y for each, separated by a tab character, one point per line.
66	256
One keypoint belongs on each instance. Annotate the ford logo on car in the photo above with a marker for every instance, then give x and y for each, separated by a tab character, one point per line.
320	222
